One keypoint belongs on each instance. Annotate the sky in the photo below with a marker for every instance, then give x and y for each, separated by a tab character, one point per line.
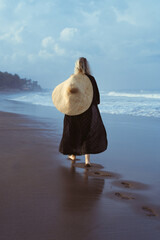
42	39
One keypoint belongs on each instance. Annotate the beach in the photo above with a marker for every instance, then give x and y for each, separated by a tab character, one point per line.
43	195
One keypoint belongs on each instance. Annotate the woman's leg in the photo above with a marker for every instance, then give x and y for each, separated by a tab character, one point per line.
87	160
72	157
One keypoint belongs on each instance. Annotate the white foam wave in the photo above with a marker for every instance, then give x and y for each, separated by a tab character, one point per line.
43	99
132	95
136	104
131	109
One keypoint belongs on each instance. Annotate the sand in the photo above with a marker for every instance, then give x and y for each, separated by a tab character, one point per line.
43	195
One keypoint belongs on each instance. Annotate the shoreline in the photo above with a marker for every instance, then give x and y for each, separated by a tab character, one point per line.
39	185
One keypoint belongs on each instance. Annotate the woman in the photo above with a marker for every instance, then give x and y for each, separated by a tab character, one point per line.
84	134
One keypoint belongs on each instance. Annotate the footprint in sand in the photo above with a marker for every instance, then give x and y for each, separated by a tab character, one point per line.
126	184
104	174
130	185
94	166
99	173
149	211
123	196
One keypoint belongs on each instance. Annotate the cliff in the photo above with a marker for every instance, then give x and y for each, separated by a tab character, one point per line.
9	81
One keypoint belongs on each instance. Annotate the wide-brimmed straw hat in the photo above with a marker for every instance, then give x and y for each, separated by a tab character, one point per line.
74	96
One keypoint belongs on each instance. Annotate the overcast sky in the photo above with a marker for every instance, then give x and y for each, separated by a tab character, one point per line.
41	40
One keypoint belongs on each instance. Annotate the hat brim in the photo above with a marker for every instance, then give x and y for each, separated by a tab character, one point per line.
74	96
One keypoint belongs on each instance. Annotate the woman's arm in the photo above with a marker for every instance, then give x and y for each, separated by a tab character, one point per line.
96	92
96	95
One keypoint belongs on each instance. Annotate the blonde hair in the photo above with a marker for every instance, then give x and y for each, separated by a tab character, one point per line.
82	66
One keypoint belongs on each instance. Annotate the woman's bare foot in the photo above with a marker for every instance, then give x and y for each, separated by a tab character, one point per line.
87	160
72	157
87	165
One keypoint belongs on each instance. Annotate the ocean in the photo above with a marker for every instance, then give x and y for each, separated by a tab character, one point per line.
139	103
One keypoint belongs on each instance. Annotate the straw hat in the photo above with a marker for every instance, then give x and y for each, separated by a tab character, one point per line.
73	96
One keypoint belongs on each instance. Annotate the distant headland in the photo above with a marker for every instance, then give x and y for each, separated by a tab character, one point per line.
10	82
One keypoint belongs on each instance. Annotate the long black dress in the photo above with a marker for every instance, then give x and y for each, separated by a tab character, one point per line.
85	133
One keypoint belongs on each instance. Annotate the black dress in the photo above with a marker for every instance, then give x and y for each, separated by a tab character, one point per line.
85	133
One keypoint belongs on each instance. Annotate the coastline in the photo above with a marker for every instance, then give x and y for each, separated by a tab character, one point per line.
44	196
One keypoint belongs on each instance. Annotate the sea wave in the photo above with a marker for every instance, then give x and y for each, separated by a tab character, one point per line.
134	109
137	104
42	98
132	95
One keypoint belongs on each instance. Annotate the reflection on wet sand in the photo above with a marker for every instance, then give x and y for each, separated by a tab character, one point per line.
80	191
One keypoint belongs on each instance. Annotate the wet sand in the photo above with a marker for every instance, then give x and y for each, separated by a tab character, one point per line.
43	195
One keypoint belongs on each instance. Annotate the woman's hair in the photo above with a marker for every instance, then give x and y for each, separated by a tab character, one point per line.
82	66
